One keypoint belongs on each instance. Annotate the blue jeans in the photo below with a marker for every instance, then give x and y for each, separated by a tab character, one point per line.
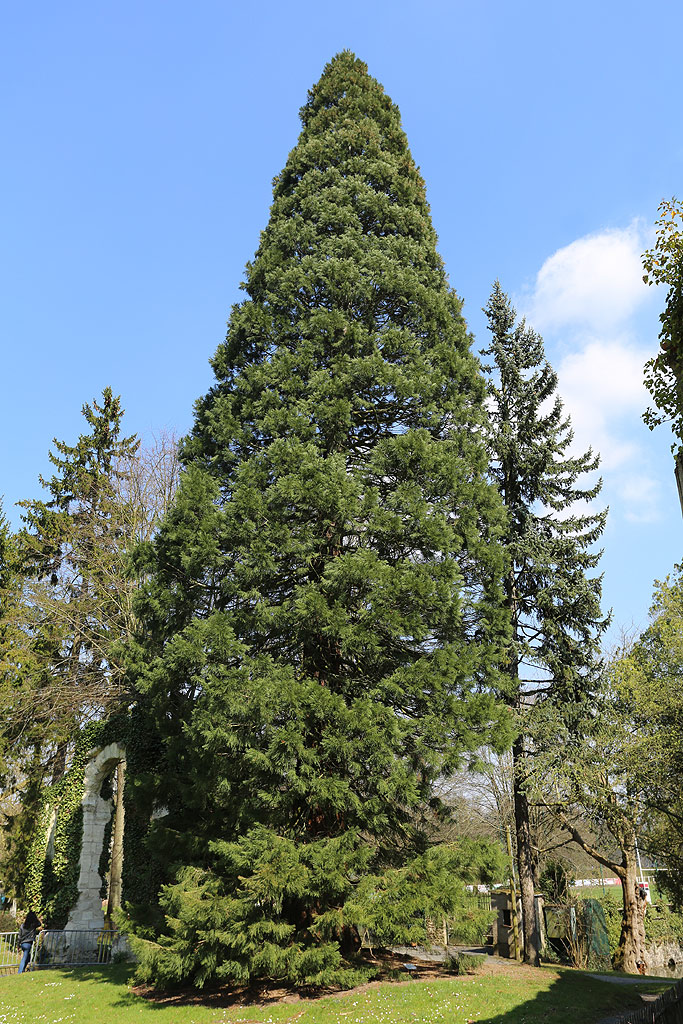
26	946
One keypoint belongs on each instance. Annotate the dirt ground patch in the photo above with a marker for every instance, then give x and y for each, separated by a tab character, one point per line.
391	968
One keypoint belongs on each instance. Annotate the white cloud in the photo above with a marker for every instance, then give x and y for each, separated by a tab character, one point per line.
587	301
595	281
601	384
642	496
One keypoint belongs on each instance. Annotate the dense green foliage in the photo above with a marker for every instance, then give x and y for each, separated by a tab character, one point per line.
48	884
663	264
16	670
18	664
321	616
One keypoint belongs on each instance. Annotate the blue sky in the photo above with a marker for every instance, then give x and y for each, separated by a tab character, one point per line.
140	140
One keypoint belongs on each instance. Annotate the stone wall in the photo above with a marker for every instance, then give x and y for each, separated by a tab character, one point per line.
665	959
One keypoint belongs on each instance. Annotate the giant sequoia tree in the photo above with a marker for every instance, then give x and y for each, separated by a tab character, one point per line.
322	608
554	603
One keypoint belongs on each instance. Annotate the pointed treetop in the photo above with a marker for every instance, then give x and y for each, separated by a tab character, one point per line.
344	83
348	122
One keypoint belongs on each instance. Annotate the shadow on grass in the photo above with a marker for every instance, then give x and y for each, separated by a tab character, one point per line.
567	997
215	997
571	997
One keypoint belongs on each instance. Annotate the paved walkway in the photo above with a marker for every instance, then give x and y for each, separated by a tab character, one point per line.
632	979
620	979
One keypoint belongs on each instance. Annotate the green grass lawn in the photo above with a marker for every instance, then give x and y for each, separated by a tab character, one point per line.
517	995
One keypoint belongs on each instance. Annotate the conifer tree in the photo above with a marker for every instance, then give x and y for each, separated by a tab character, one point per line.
554	605
16	667
24	734
77	599
322	608
66	604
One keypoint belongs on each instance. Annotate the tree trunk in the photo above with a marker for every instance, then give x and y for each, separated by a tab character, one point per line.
630	954
525	860
116	868
59	762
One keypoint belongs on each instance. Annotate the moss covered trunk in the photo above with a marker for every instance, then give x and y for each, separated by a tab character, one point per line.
630	954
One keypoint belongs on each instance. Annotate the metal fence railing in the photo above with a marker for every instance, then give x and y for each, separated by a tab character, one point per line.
10	954
69	948
75	948
667	1009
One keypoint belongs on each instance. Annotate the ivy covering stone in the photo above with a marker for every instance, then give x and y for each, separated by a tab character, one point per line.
51	882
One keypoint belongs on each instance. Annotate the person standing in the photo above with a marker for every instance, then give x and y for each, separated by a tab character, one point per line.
27	936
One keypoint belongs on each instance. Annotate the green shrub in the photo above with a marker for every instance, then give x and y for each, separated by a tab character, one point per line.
663	924
471	924
463	963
